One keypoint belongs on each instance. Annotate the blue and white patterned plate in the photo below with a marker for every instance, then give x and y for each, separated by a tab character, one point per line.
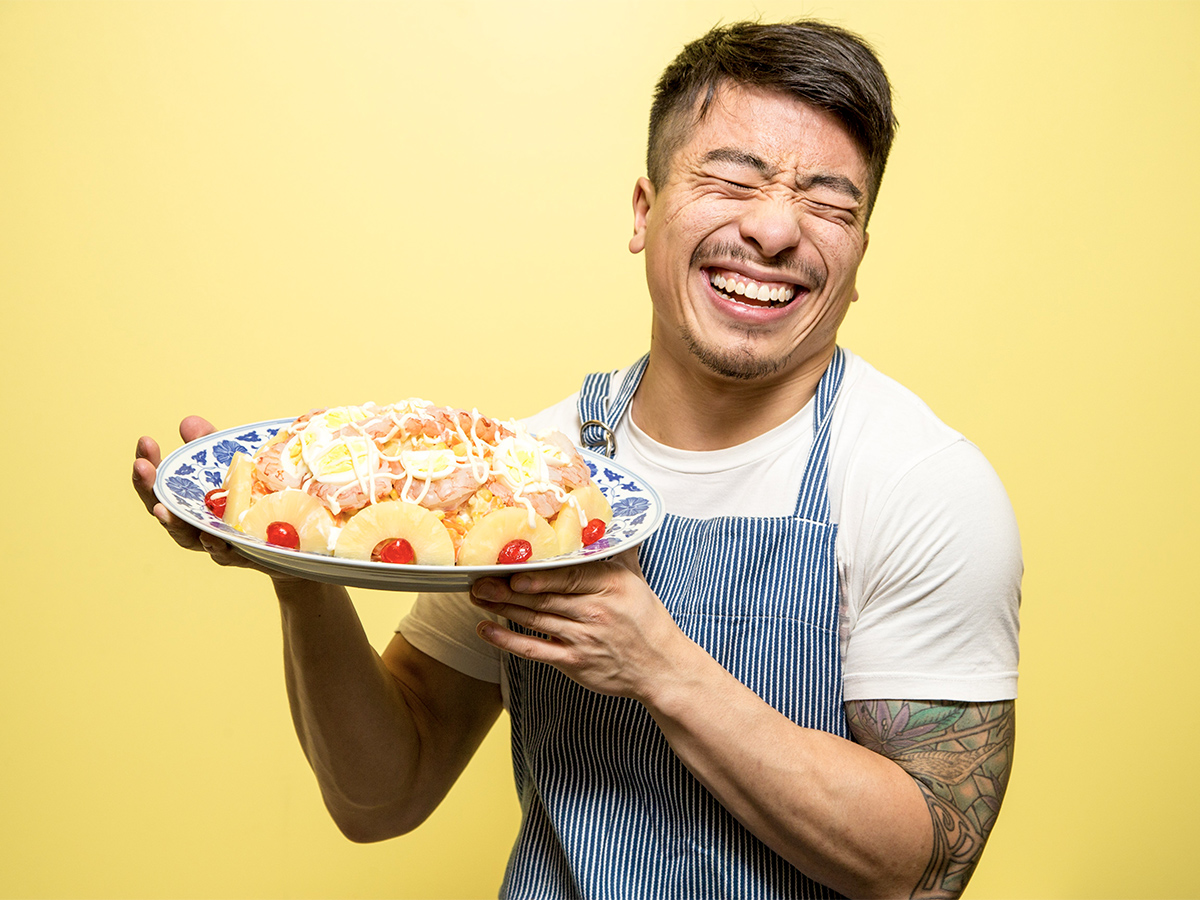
190	472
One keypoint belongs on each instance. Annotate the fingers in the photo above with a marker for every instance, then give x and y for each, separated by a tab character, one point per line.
147	449
145	466
599	623
195	427
181	533
497	596
147	457
606	577
568	592
222	552
525	646
553	615
143	482
589	578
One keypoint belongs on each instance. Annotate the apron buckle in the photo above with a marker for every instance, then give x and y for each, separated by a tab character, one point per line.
610	439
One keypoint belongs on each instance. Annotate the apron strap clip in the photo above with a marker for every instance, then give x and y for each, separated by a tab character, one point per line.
592	440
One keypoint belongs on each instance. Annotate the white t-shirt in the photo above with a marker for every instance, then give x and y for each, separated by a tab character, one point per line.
929	558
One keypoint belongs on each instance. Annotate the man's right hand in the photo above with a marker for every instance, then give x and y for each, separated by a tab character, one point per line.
145	467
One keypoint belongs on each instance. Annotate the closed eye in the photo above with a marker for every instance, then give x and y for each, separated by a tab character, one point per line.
830	210
818	206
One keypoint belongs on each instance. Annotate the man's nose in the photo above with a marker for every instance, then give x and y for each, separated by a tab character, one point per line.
772	224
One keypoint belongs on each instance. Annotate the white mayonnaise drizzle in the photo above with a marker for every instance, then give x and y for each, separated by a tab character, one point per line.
338	455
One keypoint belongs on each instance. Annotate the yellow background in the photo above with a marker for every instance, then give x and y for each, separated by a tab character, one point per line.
249	209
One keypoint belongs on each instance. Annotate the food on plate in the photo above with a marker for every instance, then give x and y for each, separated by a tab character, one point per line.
292	519
238	487
215	500
507	536
399	532
230	501
593	515
414	483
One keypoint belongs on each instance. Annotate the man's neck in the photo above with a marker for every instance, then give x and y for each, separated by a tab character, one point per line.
688	408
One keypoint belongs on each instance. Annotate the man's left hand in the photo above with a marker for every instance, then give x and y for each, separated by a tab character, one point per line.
598	623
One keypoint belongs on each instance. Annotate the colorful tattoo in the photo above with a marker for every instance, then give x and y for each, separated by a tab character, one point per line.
960	755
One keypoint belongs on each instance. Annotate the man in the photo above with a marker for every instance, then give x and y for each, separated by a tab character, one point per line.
805	684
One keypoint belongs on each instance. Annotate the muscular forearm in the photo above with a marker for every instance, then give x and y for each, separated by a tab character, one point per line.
386	736
844	815
349	713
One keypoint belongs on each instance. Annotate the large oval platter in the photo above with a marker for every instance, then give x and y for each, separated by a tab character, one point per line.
187	474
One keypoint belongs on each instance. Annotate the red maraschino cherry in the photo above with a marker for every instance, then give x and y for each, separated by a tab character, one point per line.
283	534
397	551
215	501
513	552
593	531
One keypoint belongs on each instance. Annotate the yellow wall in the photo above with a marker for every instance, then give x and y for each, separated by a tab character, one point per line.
249	209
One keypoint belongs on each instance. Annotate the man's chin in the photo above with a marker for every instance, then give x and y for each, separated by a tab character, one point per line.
736	364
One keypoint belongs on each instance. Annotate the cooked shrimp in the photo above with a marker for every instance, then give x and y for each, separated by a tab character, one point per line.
353	496
545	502
447	493
269	470
572	474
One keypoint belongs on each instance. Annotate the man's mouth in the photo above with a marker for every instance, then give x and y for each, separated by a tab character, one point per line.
741	289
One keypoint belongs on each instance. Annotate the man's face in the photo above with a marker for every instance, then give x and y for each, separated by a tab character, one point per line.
753	242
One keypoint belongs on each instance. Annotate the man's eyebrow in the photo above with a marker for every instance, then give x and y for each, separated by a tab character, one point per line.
740	158
839	183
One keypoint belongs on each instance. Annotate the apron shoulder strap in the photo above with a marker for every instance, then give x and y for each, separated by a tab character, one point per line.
598	416
813	502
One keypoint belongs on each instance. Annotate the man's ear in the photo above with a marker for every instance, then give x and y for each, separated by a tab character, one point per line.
866	242
643	199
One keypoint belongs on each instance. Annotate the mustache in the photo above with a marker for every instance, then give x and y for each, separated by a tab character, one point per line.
788	263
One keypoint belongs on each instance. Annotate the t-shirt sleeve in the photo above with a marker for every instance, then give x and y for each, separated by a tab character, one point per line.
443	626
935	606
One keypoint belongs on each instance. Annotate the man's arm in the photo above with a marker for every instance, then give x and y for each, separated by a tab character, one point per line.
960	755
386	736
841	811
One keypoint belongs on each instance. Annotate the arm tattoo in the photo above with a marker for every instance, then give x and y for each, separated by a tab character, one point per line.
960	755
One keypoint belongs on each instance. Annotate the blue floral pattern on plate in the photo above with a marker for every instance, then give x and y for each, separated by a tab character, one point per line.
187	474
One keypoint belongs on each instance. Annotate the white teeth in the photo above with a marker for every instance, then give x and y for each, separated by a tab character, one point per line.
776	296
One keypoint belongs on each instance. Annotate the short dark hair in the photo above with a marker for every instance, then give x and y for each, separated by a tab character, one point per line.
815	62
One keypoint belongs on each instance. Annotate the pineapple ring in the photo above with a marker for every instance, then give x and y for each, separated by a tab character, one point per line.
301	510
483	543
238	482
390	519
594	505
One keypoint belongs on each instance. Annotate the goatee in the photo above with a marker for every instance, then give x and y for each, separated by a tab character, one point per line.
740	364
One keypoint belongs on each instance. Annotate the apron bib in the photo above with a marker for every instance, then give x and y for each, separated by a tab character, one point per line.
608	810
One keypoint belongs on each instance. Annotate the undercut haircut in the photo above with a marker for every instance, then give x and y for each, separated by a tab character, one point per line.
812	61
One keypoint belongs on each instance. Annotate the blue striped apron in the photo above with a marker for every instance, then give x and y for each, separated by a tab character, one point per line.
608	810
